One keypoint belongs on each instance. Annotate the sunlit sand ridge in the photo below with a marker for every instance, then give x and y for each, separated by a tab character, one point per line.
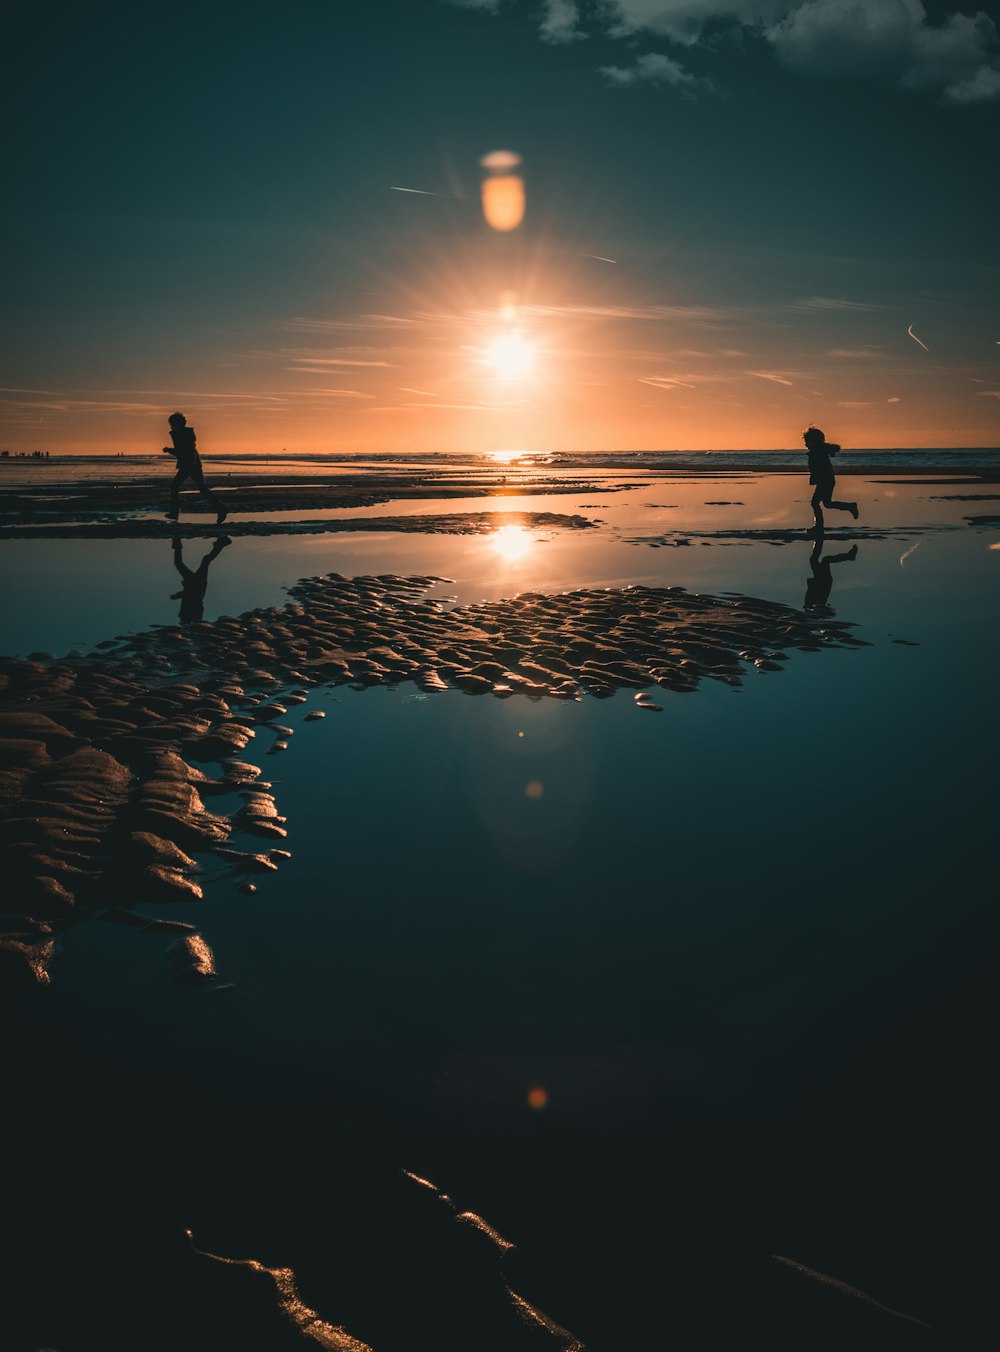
307	1321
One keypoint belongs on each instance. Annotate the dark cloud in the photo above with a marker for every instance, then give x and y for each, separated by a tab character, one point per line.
890	40
560	21
655	68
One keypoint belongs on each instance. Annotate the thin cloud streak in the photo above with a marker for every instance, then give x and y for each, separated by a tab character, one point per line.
334	361
770	375
833	303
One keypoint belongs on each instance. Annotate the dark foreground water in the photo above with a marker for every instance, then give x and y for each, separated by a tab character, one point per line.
746	950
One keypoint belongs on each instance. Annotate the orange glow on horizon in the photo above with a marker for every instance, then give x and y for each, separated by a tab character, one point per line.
481	344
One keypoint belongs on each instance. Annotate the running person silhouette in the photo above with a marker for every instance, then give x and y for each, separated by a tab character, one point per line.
821	474
188	460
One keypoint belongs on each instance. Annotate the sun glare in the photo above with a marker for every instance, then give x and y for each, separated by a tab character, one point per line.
510	356
511	543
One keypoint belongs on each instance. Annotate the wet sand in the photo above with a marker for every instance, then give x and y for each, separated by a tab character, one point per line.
443	523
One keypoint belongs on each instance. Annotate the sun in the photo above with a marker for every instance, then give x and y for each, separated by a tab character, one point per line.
511	356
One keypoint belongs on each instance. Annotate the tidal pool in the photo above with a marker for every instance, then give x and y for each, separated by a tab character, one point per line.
658	996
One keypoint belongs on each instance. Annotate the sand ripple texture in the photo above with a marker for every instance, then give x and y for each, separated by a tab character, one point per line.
104	801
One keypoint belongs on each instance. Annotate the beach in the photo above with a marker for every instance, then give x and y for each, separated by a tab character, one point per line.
534	901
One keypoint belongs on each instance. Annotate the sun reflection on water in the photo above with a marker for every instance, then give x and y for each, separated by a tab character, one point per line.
512	543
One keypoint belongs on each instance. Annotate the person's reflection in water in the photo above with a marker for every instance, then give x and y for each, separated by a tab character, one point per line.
819	586
194	581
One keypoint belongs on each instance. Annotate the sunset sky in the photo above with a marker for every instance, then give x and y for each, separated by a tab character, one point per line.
736	210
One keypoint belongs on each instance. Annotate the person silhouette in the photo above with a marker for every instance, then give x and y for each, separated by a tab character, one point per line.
821	474
194	581
819	586
188	460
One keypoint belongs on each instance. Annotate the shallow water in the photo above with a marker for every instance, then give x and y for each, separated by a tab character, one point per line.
742	946
65	594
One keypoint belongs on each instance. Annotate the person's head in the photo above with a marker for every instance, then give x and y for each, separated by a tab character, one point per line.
177	420
813	438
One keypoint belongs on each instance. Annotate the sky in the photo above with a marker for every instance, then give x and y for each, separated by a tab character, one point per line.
740	217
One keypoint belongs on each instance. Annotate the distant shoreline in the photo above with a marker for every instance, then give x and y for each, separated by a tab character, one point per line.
926	460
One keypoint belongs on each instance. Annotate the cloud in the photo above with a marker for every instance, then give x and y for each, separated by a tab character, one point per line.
862	353
468	408
771	375
988	394
319	362
560	22
332	392
894	399
690	314
654	68
684	21
831	303
366	321
888	40
980	87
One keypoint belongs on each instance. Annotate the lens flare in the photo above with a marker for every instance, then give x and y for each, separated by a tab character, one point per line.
503	190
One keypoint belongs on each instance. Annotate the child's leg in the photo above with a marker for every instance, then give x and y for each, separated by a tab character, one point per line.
175	492
198	475
817	498
851	507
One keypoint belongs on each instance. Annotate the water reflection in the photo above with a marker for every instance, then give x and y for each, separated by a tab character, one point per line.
194	581
819	586
512	543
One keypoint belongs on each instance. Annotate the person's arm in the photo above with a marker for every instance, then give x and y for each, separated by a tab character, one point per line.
833	448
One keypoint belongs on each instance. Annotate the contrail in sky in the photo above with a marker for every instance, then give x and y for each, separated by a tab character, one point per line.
600	258
422	191
916	339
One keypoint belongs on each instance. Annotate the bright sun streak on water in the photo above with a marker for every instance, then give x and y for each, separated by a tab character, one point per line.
511	543
510	356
